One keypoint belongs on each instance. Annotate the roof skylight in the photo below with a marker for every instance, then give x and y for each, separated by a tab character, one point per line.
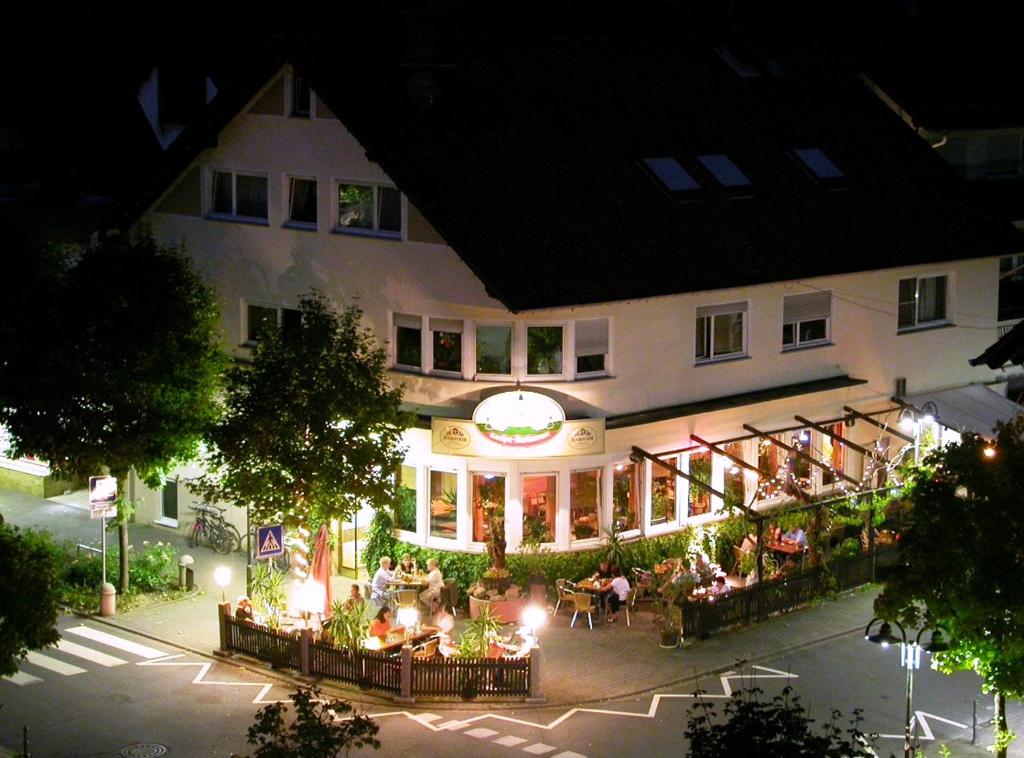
671	174
726	173
818	163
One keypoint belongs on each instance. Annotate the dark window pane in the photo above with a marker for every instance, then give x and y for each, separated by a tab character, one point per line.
447	351
493	349
302	205
300	97
260	320
390	210
251	197
291	321
703	346
355	206
906	317
588	363
788	334
544	350
728	334
169	499
811	331
222	193
407	347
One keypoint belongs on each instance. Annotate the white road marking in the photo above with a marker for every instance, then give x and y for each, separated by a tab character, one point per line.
481	733
926	730
20	678
87	653
509	741
52	664
539	748
121	644
427	717
453	725
569	754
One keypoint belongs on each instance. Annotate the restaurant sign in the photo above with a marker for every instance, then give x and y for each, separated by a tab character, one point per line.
517	424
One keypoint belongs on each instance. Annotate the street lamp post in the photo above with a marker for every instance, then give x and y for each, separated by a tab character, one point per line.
910	658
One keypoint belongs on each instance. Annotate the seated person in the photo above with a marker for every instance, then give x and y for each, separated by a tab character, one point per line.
379	586
720	587
705	572
407	565
618	595
244	610
435	584
795	536
604	571
355	598
381	623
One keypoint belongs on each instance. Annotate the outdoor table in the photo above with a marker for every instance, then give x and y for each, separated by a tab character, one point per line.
392	641
419	580
785	547
599	588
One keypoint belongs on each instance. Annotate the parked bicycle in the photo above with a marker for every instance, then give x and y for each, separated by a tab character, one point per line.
211	528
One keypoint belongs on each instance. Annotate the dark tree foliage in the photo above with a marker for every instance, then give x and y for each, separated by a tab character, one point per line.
962	558
320	729
776	728
113	362
312	428
28	602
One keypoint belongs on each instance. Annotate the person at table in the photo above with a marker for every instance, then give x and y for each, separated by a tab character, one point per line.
773	533
720	586
435	584
795	536
604	572
618	594
407	566
355	598
379	586
381	623
244	610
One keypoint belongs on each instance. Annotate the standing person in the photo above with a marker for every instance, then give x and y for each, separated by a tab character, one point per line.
379	586
619	593
435	584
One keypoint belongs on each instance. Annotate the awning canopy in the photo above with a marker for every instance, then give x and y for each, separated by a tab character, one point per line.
974	408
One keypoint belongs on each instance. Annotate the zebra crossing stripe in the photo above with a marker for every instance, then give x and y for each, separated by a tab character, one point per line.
52	664
117	642
481	733
88	654
509	741
20	678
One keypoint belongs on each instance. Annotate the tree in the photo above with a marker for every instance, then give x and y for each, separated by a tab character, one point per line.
312	429
779	728
119	370
28	604
319	731
961	553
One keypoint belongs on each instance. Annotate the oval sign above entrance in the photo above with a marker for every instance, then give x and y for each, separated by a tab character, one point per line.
519	418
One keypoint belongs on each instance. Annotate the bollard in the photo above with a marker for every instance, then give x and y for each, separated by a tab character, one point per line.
108	600
223	613
405	695
185	572
535	666
305	640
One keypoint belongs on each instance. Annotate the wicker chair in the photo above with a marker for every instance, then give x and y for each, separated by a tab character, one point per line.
406	599
642	582
427	649
564	590
584	602
630	600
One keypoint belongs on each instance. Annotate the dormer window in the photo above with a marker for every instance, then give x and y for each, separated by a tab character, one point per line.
725	172
818	164
301	97
670	175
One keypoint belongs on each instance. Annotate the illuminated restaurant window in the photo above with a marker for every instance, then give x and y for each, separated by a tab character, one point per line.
494	349
798	466
543	350
735	486
771	460
446	337
405	502
584	499
832	452
408	345
626	479
539	507
488	497
443	504
699	499
663	494
592	346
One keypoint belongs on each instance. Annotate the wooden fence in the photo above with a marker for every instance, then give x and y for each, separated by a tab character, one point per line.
277	648
363	668
471	678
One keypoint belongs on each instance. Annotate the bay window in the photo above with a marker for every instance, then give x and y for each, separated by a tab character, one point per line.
584	503
443	504
540	507
494	349
488	501
626	478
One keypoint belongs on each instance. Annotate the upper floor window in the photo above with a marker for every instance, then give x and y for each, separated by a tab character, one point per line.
806	319
260	318
592	346
302	202
543	350
494	349
1011	287
721	331
408	342
922	301
369	209
446	339
240	195
301	96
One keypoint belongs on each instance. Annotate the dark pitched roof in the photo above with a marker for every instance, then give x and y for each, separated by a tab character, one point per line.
1007	349
523	149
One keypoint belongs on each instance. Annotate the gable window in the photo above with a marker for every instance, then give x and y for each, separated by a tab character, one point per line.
1011	287
592	346
369	209
239	195
260	318
446	338
301	97
805	319
494	349
721	332
922	302
670	175
302	202
543	350
408	344
726	173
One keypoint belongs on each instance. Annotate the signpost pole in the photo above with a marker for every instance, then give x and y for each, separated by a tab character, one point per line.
103	542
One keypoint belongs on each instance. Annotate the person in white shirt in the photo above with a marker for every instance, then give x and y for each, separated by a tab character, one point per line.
379	586
619	593
720	587
435	584
795	536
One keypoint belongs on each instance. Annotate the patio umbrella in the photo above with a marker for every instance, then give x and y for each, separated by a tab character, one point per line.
321	573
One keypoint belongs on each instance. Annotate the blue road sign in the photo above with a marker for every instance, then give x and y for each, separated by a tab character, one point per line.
269	541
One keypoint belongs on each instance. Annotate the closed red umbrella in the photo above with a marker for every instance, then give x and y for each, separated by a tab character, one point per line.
321	573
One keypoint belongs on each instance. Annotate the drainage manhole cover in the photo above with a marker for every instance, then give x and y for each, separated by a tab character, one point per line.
143	750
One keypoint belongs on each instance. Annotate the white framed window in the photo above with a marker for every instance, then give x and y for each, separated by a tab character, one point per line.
259	317
444	505
591	347
585	500
370	209
721	332
545	350
408	341
922	302
302	202
302	97
540	507
446	345
237	194
494	349
806	320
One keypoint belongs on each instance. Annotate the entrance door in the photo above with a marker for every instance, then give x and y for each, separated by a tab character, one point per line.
169	502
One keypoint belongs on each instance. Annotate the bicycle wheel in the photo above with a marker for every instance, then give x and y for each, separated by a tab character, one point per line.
220	539
193	534
235	537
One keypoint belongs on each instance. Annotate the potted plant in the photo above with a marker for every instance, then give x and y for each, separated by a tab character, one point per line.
268	598
492	501
672	615
348	626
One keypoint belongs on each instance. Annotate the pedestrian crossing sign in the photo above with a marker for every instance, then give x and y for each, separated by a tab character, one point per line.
270	541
